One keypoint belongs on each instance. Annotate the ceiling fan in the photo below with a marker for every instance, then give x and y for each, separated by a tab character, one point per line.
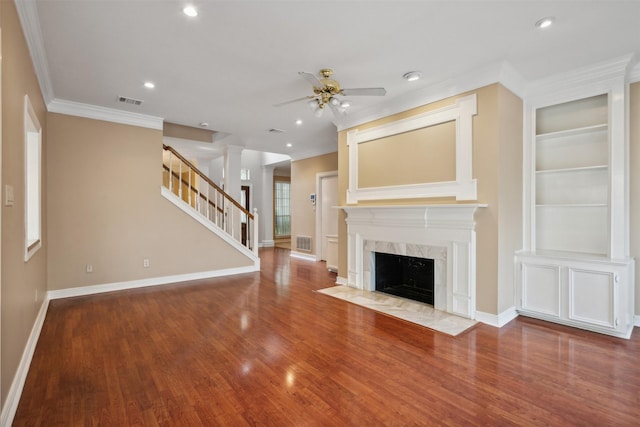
325	91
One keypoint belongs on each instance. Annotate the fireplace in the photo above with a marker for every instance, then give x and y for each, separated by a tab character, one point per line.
442	233
405	276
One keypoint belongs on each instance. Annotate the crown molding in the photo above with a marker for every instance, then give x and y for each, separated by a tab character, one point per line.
499	72
634	74
598	73
30	22
107	114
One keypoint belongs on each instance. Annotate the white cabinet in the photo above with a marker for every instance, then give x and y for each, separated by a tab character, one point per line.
588	294
332	253
575	267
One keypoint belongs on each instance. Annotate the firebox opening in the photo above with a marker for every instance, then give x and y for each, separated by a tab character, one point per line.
405	276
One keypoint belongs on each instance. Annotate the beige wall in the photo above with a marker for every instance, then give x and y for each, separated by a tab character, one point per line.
634	165
383	162
105	209
20	280
303	184
497	140
186	132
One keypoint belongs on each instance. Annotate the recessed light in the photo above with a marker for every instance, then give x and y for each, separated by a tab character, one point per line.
204	124
149	85
190	11
545	22
412	76
299	122
289	144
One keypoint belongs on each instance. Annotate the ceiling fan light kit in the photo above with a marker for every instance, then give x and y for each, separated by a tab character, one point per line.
326	91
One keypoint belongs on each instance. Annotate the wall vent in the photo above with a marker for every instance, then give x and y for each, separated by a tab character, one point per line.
276	130
303	243
131	101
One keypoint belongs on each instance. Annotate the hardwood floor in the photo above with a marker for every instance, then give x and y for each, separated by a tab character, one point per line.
264	349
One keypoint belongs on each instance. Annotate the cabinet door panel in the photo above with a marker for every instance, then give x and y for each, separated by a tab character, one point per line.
541	289
592	297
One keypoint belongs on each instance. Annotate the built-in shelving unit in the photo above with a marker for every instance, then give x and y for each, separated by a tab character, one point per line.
572	176
575	267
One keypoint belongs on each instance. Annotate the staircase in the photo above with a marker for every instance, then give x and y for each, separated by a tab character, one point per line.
192	191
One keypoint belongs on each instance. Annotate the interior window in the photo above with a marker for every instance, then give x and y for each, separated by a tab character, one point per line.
33	180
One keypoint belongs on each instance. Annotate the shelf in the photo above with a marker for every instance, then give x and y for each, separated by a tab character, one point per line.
571	132
576	169
572	205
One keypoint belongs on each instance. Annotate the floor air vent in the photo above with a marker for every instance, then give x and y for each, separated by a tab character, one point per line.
303	243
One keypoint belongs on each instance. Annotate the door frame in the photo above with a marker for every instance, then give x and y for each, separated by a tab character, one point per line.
319	177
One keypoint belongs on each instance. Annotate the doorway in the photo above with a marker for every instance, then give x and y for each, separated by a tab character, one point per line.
326	212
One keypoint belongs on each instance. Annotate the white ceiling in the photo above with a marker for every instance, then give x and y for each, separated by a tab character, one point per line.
232	62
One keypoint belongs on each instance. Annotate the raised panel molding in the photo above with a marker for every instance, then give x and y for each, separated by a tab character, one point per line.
463	188
592	297
534	277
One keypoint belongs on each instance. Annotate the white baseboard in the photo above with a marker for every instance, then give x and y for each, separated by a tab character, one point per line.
15	391
132	284
267	243
308	257
636	321
497	320
341	281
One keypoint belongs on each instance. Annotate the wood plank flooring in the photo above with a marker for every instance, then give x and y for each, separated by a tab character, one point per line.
264	349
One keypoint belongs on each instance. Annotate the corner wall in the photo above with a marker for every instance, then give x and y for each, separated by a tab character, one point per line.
303	184
105	209
23	284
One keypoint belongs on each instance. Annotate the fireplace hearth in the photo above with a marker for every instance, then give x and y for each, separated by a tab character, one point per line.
405	276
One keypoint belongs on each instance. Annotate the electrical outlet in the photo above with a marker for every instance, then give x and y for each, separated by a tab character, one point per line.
89	268
145	263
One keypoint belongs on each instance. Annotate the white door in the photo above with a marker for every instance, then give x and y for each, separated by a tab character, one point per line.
329	214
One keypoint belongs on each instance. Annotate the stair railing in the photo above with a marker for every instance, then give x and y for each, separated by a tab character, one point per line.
196	189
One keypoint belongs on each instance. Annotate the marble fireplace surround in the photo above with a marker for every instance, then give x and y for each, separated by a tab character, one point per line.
443	232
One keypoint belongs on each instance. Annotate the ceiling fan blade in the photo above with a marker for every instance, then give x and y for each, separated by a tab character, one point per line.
293	101
311	78
364	91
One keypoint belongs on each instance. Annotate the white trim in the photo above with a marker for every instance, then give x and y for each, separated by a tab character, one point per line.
500	72
30	22
463	188
318	209
15	391
636	321
142	283
186	208
300	255
497	320
569	85
342	281
418	229
267	243
88	111
634	74
31	125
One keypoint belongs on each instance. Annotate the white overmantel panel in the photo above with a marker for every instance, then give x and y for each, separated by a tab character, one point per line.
450	226
463	188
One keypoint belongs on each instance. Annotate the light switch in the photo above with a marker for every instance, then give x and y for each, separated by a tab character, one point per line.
8	195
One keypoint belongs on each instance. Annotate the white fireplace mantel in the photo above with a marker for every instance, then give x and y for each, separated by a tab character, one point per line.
418	229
